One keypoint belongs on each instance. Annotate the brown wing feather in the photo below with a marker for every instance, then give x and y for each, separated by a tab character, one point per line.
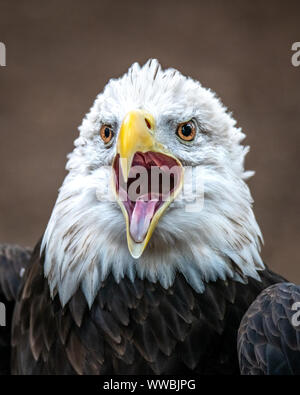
13	260
268	340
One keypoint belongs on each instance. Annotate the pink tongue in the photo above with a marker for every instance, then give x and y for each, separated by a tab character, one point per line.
141	218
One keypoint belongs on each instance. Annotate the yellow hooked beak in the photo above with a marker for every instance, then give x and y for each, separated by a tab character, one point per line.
137	134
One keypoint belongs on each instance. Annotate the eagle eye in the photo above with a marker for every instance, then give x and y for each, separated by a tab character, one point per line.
186	131
106	133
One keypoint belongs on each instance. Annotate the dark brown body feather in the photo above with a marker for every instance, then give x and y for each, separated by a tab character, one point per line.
132	328
268	341
12	259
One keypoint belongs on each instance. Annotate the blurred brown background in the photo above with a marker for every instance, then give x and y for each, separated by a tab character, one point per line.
60	54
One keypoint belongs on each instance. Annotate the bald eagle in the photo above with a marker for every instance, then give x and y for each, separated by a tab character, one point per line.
141	277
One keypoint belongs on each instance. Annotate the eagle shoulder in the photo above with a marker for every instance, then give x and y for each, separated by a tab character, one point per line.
269	335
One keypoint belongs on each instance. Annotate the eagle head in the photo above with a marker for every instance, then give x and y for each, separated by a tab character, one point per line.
155	186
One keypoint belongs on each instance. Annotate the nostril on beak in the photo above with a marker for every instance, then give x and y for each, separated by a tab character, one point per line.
148	123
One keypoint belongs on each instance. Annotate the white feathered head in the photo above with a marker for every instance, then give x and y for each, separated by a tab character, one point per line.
153	121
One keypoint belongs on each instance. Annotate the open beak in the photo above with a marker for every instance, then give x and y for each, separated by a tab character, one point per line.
155	189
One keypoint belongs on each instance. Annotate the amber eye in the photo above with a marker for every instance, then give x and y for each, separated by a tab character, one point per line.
106	133
187	131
